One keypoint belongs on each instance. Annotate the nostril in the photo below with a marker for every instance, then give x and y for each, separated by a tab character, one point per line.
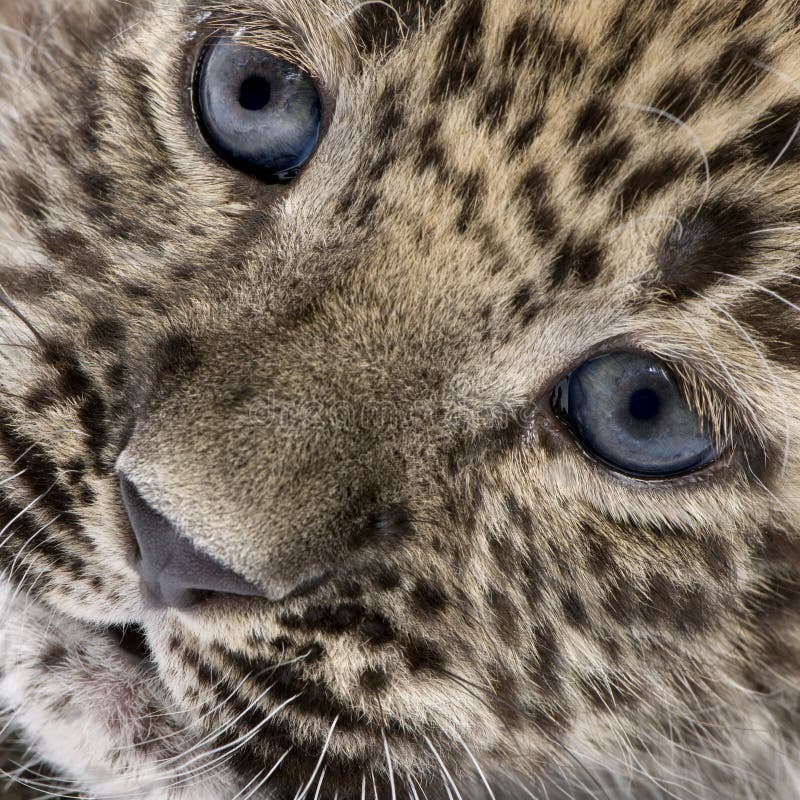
173	569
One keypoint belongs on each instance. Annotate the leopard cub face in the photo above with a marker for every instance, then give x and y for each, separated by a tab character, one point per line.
399	399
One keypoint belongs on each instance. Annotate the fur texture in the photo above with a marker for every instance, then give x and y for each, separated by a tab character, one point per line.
351	374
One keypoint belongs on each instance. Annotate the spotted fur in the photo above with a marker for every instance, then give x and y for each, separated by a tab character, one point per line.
352	373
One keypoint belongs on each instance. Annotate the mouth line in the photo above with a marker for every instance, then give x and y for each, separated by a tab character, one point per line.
131	639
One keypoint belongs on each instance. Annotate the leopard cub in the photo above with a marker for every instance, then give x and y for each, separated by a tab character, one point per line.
399	399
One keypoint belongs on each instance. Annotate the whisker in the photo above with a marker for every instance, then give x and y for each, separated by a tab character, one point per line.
303	793
388	764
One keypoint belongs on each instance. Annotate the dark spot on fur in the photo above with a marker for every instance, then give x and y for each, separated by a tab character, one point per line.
28	196
428	598
469	192
775	134
506	615
97	186
106	332
574	609
175	354
774	323
603	162
600	558
592	119
494	103
515	43
374	680
431	152
534	190
649	178
580	258
423	656
387	579
377	630
54	656
73	249
521	138
716	239
459	60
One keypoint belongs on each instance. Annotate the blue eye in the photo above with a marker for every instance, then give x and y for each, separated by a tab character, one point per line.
627	410
258	112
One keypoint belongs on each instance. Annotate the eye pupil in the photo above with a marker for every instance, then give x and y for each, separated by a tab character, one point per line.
644	404
254	93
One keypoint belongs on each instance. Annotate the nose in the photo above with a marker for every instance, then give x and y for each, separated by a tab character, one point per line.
177	573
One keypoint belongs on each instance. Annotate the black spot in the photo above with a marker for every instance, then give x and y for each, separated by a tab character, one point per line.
579	258
521	298
87	495
377	630
73	249
28	196
374	680
725	156
506	615
574	609
54	656
97	186
106	332
523	135
556	56
469	192
748	10
535	191
387	579
534	578
41	475
629	38
423	656
681	607
603	162
431	154
175	354
592	119
716	553
681	95
775	134
716	239
380	28
394	522
458	57
428	598
651	177
515	43
736	69
600	553
519	514
494	104
391	114
40	397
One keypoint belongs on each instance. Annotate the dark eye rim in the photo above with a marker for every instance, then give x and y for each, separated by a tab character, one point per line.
194	62
556	425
